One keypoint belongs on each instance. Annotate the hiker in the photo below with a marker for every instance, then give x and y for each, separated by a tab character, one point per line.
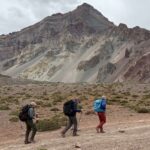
100	108
31	123
70	110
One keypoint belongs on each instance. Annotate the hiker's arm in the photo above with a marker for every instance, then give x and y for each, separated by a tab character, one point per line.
103	104
75	109
31	113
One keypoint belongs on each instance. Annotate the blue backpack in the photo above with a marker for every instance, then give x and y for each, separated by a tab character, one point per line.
98	105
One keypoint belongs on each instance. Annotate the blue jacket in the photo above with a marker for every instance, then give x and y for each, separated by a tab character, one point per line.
103	105
100	105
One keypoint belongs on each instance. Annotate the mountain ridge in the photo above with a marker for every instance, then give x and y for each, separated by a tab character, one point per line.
79	46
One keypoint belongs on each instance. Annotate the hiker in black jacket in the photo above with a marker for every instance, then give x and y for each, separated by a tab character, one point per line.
72	117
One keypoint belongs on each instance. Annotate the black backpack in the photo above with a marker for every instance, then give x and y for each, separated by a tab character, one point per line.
23	115
68	108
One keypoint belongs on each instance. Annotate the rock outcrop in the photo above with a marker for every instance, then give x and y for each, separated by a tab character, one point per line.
79	46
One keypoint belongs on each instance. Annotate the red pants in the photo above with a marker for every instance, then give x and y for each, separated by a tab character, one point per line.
102	119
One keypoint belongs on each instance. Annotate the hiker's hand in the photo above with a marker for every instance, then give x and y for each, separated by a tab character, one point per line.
37	120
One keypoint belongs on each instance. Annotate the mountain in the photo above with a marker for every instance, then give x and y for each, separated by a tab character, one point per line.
79	46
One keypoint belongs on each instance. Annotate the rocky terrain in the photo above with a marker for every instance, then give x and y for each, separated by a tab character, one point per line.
79	46
127	125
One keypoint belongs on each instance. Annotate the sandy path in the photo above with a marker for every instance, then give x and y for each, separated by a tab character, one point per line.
136	134
135	137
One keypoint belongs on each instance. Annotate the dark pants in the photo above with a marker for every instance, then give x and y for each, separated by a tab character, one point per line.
30	126
102	120
72	121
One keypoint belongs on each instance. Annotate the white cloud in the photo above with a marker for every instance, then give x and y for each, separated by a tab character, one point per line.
17	14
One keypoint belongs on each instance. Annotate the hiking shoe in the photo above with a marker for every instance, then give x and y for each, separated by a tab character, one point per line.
63	135
102	131
75	134
27	142
97	130
32	141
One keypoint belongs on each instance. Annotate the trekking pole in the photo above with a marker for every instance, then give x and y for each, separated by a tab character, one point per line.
79	121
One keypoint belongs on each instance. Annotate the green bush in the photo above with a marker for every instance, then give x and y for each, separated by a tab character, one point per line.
14	113
142	110
4	107
48	104
14	119
42	149
51	124
48	125
55	109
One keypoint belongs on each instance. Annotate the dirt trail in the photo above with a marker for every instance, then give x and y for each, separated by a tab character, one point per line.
119	136
125	130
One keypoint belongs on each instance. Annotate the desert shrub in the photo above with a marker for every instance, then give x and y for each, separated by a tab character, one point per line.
118	97
28	95
135	96
48	124
48	104
45	93
51	124
4	107
14	119
63	120
46	98
112	101
44	104
124	102
55	109
42	149
14	113
40	103
147	96
142	110
127	93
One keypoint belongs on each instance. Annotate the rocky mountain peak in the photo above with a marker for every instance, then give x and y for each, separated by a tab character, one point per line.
81	45
85	6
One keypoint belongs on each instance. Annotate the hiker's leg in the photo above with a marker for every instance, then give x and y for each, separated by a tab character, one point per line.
68	125
99	117
75	124
28	130
34	130
103	121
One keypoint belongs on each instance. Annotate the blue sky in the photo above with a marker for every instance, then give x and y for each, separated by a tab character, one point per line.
17	14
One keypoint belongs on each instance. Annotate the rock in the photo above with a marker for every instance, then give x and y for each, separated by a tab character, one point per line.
78	145
121	131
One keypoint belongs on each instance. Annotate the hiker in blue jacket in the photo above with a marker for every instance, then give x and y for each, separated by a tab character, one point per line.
100	108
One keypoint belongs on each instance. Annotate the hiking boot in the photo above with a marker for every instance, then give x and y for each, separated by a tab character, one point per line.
75	134
32	141
102	131
97	130
27	142
63	135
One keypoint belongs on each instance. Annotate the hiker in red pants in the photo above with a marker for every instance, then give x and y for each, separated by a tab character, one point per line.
100	108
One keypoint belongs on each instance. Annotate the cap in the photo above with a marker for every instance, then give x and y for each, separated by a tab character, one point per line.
33	104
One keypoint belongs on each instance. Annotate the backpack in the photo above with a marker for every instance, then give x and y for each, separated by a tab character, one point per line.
23	115
98	105
68	108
